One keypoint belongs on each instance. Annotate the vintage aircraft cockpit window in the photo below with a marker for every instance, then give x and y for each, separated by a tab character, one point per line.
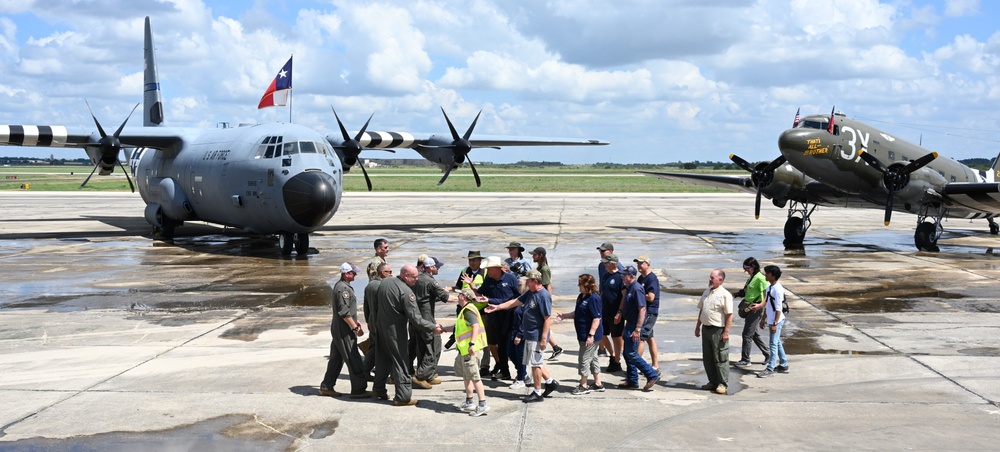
291	148
821	125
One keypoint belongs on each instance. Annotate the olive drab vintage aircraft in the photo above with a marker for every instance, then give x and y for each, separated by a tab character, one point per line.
268	179
831	160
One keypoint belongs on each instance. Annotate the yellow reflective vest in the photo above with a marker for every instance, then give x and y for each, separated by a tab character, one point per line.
477	280
463	332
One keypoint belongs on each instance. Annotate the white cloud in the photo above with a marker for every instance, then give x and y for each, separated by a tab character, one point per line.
957	8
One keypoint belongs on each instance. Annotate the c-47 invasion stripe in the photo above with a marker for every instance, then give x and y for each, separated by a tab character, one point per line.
33	135
387	140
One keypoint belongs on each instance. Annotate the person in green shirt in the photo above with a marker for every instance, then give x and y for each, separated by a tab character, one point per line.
753	294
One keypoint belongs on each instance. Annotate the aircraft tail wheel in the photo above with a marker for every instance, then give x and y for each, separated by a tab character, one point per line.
302	244
924	238
994	228
793	232
286	241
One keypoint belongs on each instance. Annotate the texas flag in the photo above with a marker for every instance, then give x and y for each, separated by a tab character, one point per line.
277	93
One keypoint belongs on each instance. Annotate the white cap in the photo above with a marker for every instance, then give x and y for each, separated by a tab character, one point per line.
348	267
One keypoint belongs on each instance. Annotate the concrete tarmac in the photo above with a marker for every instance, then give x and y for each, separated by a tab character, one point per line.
112	340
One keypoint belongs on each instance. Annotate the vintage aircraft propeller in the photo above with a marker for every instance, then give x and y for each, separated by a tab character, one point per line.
352	146
461	146
895	179
110	147
760	177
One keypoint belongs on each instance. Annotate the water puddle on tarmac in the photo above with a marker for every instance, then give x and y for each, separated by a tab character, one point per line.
233	432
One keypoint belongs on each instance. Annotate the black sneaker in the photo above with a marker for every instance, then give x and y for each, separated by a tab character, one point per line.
742	363
782	369
598	387
549	387
533	397
556	351
614	366
484	373
602	352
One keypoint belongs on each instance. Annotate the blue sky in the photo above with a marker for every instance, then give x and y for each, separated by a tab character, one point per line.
661	80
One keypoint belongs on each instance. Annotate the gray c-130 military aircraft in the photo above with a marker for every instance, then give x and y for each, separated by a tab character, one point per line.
268	179
831	160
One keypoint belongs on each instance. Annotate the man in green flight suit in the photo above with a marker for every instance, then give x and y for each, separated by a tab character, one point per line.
397	307
428	351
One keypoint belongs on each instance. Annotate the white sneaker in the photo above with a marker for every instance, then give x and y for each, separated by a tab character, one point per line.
468	406
480	410
517	384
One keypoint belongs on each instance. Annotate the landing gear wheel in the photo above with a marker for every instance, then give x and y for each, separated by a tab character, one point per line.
286	241
793	232
302	244
167	227
925	238
994	227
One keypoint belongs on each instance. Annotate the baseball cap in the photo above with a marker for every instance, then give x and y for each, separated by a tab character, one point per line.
433	261
348	267
538	250
469	294
630	270
641	259
610	258
606	246
534	274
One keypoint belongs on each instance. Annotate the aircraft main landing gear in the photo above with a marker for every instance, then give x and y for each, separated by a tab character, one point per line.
796	226
994	227
928	233
288	241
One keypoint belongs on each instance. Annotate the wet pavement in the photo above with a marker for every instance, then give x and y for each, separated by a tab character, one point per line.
112	340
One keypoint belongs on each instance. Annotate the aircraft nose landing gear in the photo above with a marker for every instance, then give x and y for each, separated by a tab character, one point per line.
288	241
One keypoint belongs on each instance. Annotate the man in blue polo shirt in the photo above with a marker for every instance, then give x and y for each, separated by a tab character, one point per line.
537	322
633	314
498	287
651	286
611	299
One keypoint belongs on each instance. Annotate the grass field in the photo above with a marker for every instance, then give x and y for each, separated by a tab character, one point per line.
582	178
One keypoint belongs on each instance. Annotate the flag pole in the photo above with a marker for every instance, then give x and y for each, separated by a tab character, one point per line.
292	56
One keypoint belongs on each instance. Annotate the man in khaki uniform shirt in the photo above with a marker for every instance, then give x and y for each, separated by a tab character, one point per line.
715	317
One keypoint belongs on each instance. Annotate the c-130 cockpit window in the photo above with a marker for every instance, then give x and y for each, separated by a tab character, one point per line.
273	147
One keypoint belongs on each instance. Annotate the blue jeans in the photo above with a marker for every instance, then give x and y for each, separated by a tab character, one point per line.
516	354
777	349
633	362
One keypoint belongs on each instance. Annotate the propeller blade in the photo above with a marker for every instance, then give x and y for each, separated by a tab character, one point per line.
775	164
756	206
343	130
446	173
130	185
367	179
475	173
888	208
468	133
454	133
740	162
918	163
872	161
119	131
361	133
98	123
88	177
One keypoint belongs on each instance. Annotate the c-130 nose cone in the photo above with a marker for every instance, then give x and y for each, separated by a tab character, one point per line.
310	198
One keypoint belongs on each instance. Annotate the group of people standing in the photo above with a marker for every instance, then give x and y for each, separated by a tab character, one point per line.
504	314
762	306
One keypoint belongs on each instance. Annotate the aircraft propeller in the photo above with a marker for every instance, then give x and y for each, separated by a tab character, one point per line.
461	146
895	179
110	146
760	177
352	146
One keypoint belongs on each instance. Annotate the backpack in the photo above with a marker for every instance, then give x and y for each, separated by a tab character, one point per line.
784	304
